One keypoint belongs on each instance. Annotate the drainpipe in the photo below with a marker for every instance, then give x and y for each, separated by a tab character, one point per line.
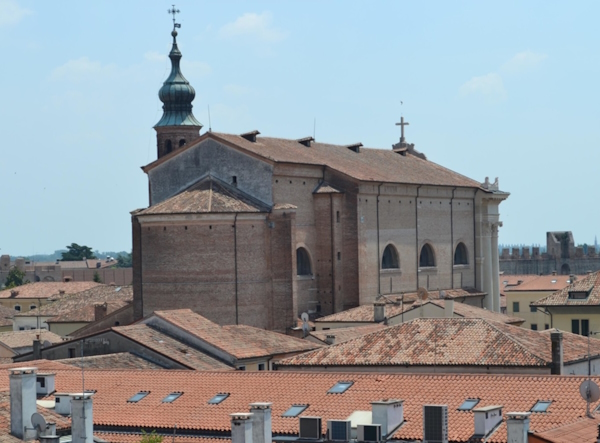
333	257
235	267
475	241
452	238
378	247
417	232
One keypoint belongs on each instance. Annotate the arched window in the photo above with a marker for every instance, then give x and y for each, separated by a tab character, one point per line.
565	269
426	259
390	258
168	146
303	262
181	142
460	255
17	308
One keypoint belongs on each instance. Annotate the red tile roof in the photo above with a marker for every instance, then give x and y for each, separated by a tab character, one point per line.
131	437
380	165
47	289
192	413
582	430
344	334
542	283
121	360
20	339
438	342
590	284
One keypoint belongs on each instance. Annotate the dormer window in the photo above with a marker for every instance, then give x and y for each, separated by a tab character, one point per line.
578	295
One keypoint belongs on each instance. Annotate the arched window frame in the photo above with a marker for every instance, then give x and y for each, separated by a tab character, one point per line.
304	267
462	259
431	253
390	260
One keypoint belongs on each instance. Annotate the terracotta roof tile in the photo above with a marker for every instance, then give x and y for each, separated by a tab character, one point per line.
47	289
344	334
447	342
583	430
130	437
6	315
121	360
192	413
590	284
240	341
42	365
542	283
19	339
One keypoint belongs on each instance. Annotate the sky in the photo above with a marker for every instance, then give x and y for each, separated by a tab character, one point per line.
490	89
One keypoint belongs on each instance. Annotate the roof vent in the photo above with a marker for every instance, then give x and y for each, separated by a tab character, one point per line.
486	419
339	430
250	136
310	428
355	147
306	141
435	423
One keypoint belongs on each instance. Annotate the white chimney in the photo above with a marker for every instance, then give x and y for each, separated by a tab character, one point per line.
486	419
22	402
387	413
448	307
378	312
330	339
44	383
261	423
517	427
241	427
62	403
82	421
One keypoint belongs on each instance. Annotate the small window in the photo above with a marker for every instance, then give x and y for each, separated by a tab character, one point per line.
339	255
22	328
532	309
181	142
172	397
340	387
261	366
303	262
241	368
516	306
17	308
168	146
41	381
32	307
137	397
218	399
337	216
295	411
468	404
575	326
585	328
578	295
534	327
71	352
546	326
234	180
541	406
426	258
390	258
460	255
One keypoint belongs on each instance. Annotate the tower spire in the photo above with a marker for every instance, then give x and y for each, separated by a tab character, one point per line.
177	125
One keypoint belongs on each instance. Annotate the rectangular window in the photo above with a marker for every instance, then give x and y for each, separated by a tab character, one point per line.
340	387
41	381
261	366
534	327
532	309
337	216
515	306
71	352
172	397
575	326
585	328
218	398
294	411
137	397
546	326
339	255
241	368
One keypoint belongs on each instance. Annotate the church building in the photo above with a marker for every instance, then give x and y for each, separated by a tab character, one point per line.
246	229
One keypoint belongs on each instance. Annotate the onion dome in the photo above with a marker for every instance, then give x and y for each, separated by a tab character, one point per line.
177	94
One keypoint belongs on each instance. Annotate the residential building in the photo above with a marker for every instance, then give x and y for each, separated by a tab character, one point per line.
455	345
575	308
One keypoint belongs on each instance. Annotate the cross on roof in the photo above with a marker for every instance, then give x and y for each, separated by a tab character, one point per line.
174	11
402	124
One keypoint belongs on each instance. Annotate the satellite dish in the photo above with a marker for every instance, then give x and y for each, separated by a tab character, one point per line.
38	422
589	391
47	343
304	317
422	293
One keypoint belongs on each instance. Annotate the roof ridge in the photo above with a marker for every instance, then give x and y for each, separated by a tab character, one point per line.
512	338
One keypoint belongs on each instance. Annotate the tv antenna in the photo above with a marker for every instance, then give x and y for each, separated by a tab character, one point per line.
305	328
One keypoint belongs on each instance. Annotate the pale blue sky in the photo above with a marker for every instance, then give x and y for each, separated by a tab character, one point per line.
506	89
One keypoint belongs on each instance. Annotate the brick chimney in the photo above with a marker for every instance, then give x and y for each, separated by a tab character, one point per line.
556	367
82	422
241	427
261	422
22	402
517	427
100	311
37	349
378	312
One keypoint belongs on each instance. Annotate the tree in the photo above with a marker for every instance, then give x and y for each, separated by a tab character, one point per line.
151	437
124	261
97	278
15	278
77	253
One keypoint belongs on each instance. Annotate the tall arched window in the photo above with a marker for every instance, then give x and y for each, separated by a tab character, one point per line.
181	142
460	255
303	262
168	146
390	258
427	258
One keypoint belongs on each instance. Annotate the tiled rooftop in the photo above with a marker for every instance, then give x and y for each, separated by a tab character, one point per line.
344	334
20	339
121	360
447	342
240	341
542	283
582	430
380	165
6	315
192	413
47	289
590	284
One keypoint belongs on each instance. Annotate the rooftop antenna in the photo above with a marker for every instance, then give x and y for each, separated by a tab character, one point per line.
173	11
315	129
209	124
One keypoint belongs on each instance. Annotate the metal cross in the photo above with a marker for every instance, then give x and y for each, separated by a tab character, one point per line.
173	11
402	124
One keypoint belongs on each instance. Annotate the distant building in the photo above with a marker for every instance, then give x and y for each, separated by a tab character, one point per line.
561	256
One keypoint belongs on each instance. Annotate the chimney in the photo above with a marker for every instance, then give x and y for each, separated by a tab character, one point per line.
486	419
448	307
37	349
82	422
22	402
572	278
387	413
553	272
557	352
261	422
330	339
44	383
378	312
241	427
100	311
517	427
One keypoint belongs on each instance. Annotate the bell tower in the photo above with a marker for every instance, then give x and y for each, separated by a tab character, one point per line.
178	126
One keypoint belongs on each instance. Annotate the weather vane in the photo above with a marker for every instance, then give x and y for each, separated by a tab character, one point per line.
174	11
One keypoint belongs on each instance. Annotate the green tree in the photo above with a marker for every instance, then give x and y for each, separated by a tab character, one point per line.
97	278
77	253
151	437
15	278
124	261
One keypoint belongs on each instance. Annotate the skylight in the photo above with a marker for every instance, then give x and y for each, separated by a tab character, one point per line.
172	397
468	404
340	387
294	411
541	406
217	399
137	397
